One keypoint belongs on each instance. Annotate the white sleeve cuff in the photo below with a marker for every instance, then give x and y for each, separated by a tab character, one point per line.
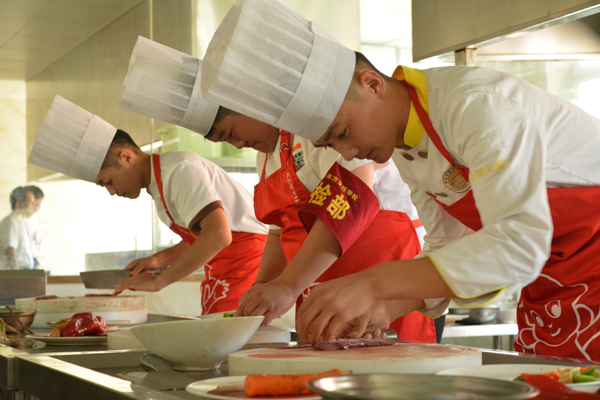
434	307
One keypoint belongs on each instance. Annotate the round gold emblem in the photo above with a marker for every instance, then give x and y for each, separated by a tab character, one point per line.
454	181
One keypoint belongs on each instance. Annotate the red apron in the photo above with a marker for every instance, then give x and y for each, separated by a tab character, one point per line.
559	312
232	271
277	200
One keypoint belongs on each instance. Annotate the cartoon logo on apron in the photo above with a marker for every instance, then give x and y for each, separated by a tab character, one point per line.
454	181
213	290
561	320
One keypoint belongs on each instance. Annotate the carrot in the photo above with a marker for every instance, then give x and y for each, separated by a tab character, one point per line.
58	330
279	385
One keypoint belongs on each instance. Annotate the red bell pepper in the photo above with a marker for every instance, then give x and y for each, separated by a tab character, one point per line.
85	324
551	389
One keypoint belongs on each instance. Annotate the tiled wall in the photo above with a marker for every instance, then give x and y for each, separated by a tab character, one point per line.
12	142
440	26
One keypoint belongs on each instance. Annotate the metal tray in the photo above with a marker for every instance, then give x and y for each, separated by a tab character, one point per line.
418	387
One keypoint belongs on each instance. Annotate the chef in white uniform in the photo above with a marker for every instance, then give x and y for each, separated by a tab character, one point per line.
20	234
197	200
283	278
504	177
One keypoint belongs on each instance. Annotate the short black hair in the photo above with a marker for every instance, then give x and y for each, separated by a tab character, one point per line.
222	112
120	140
17	196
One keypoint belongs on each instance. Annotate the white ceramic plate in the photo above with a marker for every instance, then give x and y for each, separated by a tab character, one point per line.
203	388
68	341
508	372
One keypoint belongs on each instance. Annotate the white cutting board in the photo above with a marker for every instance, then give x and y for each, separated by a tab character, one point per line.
407	358
115	308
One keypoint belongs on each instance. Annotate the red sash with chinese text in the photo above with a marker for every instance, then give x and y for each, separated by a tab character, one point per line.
344	203
277	201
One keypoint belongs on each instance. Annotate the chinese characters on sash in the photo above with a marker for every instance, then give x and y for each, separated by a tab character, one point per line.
344	203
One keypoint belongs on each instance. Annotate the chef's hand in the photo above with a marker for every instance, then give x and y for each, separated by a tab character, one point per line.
271	299
142	282
330	305
142	264
368	325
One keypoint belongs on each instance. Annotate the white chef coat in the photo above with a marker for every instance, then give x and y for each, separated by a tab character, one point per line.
517	140
191	182
23	234
312	164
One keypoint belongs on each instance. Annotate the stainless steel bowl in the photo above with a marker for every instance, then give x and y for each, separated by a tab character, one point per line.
26	317
481	315
418	387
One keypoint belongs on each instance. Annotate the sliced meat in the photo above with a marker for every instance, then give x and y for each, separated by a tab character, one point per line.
47	297
344	344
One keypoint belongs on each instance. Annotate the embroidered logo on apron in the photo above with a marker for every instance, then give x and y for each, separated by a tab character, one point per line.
454	181
298	154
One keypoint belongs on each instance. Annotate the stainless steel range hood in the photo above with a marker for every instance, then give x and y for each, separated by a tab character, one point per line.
574	37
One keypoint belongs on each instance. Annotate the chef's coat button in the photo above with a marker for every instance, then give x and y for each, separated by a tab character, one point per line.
441	194
422	154
404	147
430	194
408	156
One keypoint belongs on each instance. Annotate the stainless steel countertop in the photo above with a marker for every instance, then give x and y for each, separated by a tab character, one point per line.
63	373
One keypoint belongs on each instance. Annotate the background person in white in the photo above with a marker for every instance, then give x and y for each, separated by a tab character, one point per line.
20	236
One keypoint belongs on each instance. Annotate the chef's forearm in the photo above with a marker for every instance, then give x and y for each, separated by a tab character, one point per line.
399	308
273	261
318	252
406	279
169	256
214	238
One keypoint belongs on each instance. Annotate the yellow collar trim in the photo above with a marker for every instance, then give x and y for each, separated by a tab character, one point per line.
416	78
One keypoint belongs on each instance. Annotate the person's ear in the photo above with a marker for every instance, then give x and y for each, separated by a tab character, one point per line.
372	82
126	156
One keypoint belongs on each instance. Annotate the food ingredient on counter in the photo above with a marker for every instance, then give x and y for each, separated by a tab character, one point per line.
228	314
282	385
552	389
4	326
16	317
81	324
47	297
569	375
59	322
344	344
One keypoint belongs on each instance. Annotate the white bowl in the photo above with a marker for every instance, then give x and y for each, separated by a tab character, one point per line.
197	344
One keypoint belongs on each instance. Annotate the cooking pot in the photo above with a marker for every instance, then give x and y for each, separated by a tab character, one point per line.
480	315
26	317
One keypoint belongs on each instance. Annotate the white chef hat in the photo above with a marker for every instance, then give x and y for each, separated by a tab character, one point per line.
164	84
72	141
269	63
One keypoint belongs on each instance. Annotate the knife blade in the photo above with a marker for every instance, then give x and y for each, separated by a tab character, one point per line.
109	278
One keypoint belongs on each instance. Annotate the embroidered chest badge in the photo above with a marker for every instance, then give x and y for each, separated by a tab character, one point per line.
454	181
